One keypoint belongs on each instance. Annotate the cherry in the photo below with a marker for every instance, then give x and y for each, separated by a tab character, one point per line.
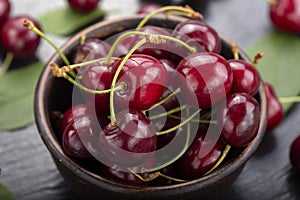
83	5
148	8
241	117
79	130
18	39
206	76
97	77
90	50
133	135
285	14
295	154
193	164
145	78
5	8
275	109
245	77
68	117
194	31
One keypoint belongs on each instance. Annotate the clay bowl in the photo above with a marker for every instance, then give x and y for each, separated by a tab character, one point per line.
54	94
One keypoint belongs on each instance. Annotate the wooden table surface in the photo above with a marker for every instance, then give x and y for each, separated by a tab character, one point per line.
28	170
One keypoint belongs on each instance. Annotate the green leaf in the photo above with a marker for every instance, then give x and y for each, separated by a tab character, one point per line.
16	96
5	193
65	21
280	65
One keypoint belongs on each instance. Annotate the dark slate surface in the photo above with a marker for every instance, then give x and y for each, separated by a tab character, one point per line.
28	170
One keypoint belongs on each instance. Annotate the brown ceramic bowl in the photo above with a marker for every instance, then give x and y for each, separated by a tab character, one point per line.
54	94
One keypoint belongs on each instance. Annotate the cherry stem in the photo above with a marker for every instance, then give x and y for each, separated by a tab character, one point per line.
289	99
152	38
187	120
188	10
83	64
113	83
257	57
59	72
82	39
177	91
223	156
235	50
175	110
171	178
195	120
150	177
273	2
186	146
7	62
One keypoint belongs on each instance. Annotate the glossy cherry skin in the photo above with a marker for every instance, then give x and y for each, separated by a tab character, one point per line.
97	77
295	154
245	77
70	114
5	8
206	79
192	31
126	143
148	8
18	39
241	119
275	109
90	50
200	157
77	130
285	15
83	5
145	78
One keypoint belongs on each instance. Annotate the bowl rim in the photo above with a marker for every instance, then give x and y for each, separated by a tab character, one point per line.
42	119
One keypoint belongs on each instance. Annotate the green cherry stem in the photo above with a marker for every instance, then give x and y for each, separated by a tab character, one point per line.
7	62
186	146
175	110
235	51
289	99
221	159
114	81
272	2
153	38
201	121
187	120
188	10
171	178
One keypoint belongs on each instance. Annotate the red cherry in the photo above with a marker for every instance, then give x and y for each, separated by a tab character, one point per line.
126	143
5	8
285	15
83	5
200	157
145	78
245	77
206	76
295	154
275	109
18	39
241	118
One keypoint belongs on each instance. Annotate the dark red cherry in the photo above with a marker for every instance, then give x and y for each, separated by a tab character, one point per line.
5	8
70	114
145	78
192	31
83	5
200	157
245	77
126	143
241	118
285	15
76	133
275	109
148	8
295	154
97	77
18	39
206	79
90	50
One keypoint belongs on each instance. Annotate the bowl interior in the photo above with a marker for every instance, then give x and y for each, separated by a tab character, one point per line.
55	94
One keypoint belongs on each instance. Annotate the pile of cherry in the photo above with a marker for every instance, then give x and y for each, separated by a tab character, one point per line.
145	74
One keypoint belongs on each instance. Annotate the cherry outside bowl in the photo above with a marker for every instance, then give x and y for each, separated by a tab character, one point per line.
54	94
